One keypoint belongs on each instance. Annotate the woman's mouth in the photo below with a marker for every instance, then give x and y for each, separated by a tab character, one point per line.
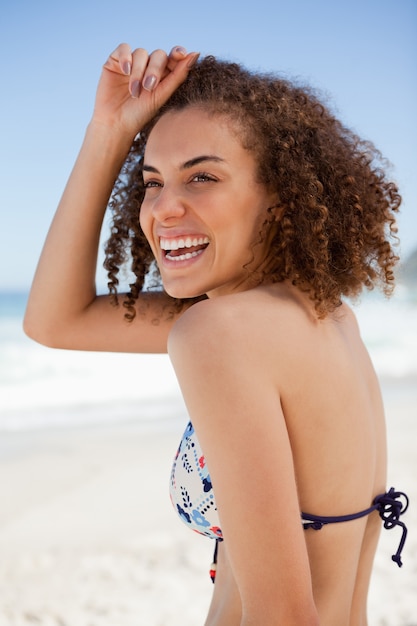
183	248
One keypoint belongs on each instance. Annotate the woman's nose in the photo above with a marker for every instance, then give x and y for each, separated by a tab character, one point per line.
168	205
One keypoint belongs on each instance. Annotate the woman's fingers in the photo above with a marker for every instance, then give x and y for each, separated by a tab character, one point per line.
173	79
145	70
159	66
155	70
149	78
120	60
140	59
178	53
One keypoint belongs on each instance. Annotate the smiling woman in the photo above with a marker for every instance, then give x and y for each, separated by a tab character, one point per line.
222	205
258	214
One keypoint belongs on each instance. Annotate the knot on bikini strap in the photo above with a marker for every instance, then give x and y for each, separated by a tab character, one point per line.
390	507
315	525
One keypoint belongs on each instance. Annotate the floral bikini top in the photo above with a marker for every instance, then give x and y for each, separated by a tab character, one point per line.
192	495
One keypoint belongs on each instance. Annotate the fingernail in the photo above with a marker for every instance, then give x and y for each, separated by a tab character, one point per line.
126	67
135	89
193	59
150	82
181	50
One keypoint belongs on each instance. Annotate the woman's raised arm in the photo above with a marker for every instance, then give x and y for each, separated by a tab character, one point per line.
64	310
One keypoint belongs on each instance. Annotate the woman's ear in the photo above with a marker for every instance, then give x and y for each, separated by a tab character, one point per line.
275	212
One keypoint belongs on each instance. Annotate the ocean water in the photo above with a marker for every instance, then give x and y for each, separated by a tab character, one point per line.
41	387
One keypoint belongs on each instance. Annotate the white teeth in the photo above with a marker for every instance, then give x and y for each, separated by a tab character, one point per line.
184	257
176	244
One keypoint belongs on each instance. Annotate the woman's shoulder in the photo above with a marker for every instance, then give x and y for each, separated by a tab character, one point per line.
255	318
276	318
210	321
228	311
231	337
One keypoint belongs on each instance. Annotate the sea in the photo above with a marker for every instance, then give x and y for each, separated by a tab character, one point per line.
48	388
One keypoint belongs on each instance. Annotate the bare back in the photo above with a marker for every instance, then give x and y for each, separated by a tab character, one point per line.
339	448
334	416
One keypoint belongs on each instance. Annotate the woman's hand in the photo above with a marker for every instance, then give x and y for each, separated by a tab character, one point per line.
134	85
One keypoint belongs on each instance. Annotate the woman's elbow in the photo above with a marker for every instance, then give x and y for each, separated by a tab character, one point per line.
40	331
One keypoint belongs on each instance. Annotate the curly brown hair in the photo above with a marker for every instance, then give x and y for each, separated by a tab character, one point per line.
330	232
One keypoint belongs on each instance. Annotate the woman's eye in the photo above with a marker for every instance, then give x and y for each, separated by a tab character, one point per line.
202	177
148	184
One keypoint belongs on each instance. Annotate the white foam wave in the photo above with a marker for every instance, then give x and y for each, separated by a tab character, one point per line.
39	385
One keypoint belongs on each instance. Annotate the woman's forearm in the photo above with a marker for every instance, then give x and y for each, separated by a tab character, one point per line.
64	283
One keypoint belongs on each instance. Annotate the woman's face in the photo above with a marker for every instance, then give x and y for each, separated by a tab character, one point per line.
203	209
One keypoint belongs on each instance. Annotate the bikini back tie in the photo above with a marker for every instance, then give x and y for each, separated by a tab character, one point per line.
390	508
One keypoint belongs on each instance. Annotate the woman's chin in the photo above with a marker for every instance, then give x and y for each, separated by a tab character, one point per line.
182	293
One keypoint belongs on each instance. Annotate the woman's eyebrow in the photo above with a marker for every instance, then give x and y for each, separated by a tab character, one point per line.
201	159
190	163
149	168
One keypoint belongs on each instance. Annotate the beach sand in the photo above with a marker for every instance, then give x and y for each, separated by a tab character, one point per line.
88	536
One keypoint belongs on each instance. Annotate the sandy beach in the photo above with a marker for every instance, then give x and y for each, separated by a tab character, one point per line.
88	536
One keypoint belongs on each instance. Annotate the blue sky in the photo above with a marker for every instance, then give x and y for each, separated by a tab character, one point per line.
361	53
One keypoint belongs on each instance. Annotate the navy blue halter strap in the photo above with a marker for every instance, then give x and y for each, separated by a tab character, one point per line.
389	507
